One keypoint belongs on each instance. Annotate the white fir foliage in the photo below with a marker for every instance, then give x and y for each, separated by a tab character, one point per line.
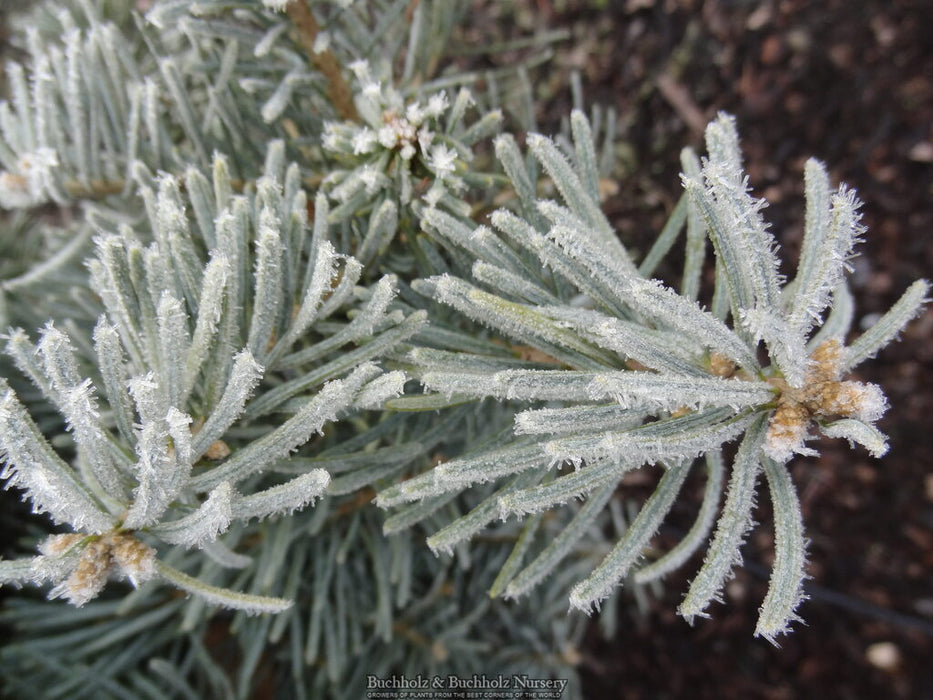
78	403
785	590
889	326
456	474
513	384
831	231
657	391
204	524
838	320
164	458
597	586
695	252
377	392
174	344
313	286
283	499
583	480
581	201
683	437
111	362
575	419
267	295
734	523
210	308
742	241
325	406
244	376
698	534
681	381
858	432
31	464
16	572
545	562
183	312
658	350
250	604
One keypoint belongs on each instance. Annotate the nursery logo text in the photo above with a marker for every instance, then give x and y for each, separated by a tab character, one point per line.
475	687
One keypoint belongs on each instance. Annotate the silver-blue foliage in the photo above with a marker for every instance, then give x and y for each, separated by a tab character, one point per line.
286	285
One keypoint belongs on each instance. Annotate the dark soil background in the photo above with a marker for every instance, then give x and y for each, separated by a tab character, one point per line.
850	83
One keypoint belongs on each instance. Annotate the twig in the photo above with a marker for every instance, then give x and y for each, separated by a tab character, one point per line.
307	31
679	98
98	189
